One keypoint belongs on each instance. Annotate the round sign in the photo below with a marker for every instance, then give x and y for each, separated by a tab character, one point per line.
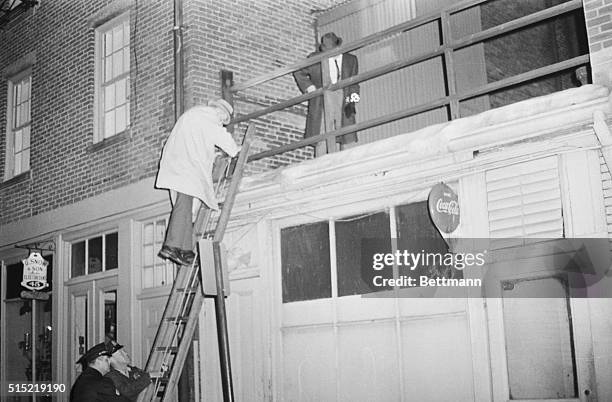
444	208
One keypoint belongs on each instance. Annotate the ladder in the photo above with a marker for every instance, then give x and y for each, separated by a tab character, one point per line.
178	323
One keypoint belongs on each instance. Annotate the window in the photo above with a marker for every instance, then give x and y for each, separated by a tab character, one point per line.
113	77
308	271
18	119
96	254
155	271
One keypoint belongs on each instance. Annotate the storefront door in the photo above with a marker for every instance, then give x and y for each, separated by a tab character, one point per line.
92	317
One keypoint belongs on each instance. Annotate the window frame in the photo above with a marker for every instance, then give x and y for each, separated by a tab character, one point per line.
391	211
100	84
9	166
86	240
161	268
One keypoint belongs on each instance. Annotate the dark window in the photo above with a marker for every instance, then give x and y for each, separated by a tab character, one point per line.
417	234
306	273
78	259
14	275
95	255
102	255
356	241
112	260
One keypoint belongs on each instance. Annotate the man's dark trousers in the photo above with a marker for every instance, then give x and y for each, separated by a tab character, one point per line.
180	228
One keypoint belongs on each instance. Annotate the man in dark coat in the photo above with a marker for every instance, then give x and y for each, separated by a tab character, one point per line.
91	385
342	110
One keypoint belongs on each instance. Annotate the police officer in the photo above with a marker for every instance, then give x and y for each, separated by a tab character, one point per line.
92	386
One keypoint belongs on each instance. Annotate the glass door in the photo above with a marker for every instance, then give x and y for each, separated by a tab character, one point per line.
92	316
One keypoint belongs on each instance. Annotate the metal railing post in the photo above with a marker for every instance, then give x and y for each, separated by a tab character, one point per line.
449	65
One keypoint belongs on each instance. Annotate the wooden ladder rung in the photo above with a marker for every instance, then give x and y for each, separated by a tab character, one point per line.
189	290
170	349
179	320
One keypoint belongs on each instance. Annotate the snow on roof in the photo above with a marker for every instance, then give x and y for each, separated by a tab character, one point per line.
435	139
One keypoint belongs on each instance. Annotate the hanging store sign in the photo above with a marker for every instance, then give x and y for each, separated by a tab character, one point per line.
35	272
444	208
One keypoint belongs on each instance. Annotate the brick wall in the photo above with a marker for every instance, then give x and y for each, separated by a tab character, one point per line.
251	38
247	37
598	15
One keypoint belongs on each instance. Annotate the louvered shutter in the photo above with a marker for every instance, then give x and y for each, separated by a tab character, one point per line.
524	200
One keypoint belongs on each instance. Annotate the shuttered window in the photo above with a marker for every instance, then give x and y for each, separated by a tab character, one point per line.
524	200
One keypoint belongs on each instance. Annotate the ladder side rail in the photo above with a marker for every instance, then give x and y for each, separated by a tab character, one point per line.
170	305
234	184
183	347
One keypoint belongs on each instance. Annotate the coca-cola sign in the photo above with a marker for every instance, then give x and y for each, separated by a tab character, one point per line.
444	208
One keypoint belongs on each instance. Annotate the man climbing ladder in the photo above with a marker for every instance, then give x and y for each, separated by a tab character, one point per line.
179	320
185	169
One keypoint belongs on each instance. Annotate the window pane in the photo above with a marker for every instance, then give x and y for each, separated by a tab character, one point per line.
110	315
27	108
147	237
112	251
18	91
158	277
95	255
26	88
148	255
126	59
14	276
356	242
25	160
417	234
17	167
127	104
306	271
160	230
147	277
540	353
109	97
78	259
120	92
117	64
17	116
120	118
126	33
109	124
117	38
18	141
25	111
26	137
108	44
108	68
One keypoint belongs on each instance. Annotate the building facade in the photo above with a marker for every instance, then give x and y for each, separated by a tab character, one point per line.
89	102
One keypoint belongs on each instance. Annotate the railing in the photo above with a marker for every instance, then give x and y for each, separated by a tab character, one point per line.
447	48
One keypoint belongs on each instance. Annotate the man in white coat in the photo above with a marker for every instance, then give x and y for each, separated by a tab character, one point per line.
185	169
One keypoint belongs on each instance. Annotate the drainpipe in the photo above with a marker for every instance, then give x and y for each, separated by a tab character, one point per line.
184	387
178	59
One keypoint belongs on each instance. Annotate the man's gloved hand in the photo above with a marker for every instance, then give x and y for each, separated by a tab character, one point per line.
349	109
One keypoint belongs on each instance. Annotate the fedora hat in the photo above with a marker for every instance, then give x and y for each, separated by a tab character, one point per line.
224	106
330	35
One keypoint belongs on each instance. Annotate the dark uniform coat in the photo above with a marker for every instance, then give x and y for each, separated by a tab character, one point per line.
130	387
312	75
91	386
